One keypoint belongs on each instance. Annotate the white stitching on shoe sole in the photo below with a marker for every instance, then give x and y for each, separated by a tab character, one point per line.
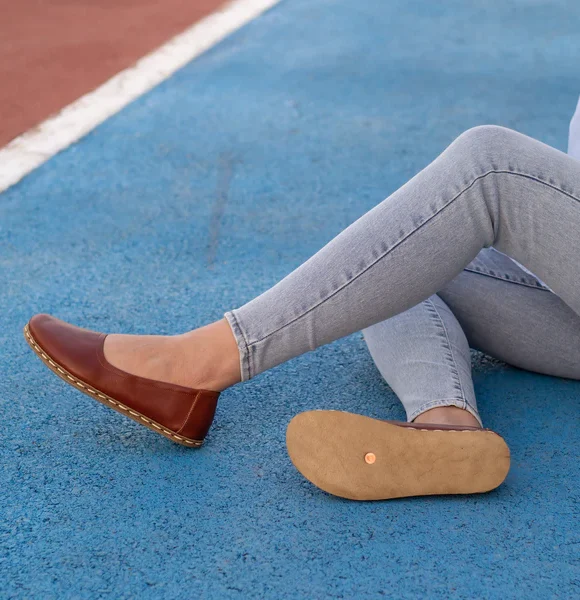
107	399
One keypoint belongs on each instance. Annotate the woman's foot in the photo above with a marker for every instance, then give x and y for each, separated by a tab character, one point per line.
160	393
447	415
205	358
360	458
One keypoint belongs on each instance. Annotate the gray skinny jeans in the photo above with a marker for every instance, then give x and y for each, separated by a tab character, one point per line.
418	276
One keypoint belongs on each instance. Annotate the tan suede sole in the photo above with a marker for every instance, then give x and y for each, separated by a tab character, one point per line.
99	396
359	458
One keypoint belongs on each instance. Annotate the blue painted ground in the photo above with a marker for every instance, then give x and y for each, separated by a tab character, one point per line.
201	195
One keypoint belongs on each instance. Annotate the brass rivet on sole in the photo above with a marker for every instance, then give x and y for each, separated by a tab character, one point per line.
370	458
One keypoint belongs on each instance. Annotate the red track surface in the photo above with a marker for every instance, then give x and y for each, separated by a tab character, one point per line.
52	52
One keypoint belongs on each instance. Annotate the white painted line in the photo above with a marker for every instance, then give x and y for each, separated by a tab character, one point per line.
28	151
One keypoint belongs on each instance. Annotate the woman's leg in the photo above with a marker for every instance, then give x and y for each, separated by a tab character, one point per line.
423	353
424	356
510	315
491	186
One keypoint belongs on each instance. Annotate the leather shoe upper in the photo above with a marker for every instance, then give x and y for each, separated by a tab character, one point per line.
186	411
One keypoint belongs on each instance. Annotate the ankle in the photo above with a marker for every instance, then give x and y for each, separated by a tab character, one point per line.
214	351
447	415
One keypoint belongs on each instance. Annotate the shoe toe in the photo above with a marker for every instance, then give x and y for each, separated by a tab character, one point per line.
66	344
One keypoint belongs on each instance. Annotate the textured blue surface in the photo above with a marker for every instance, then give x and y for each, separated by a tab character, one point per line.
198	197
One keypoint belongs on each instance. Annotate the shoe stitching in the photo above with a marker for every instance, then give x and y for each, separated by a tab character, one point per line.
420	429
189	413
102	396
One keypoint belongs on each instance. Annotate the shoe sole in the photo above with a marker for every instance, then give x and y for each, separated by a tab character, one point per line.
103	398
335	450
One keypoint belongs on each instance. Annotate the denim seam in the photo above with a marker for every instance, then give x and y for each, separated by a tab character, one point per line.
449	347
438	403
478	178
432	403
540	287
242	343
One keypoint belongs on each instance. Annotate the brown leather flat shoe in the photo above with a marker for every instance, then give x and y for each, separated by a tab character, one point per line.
360	458
183	415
